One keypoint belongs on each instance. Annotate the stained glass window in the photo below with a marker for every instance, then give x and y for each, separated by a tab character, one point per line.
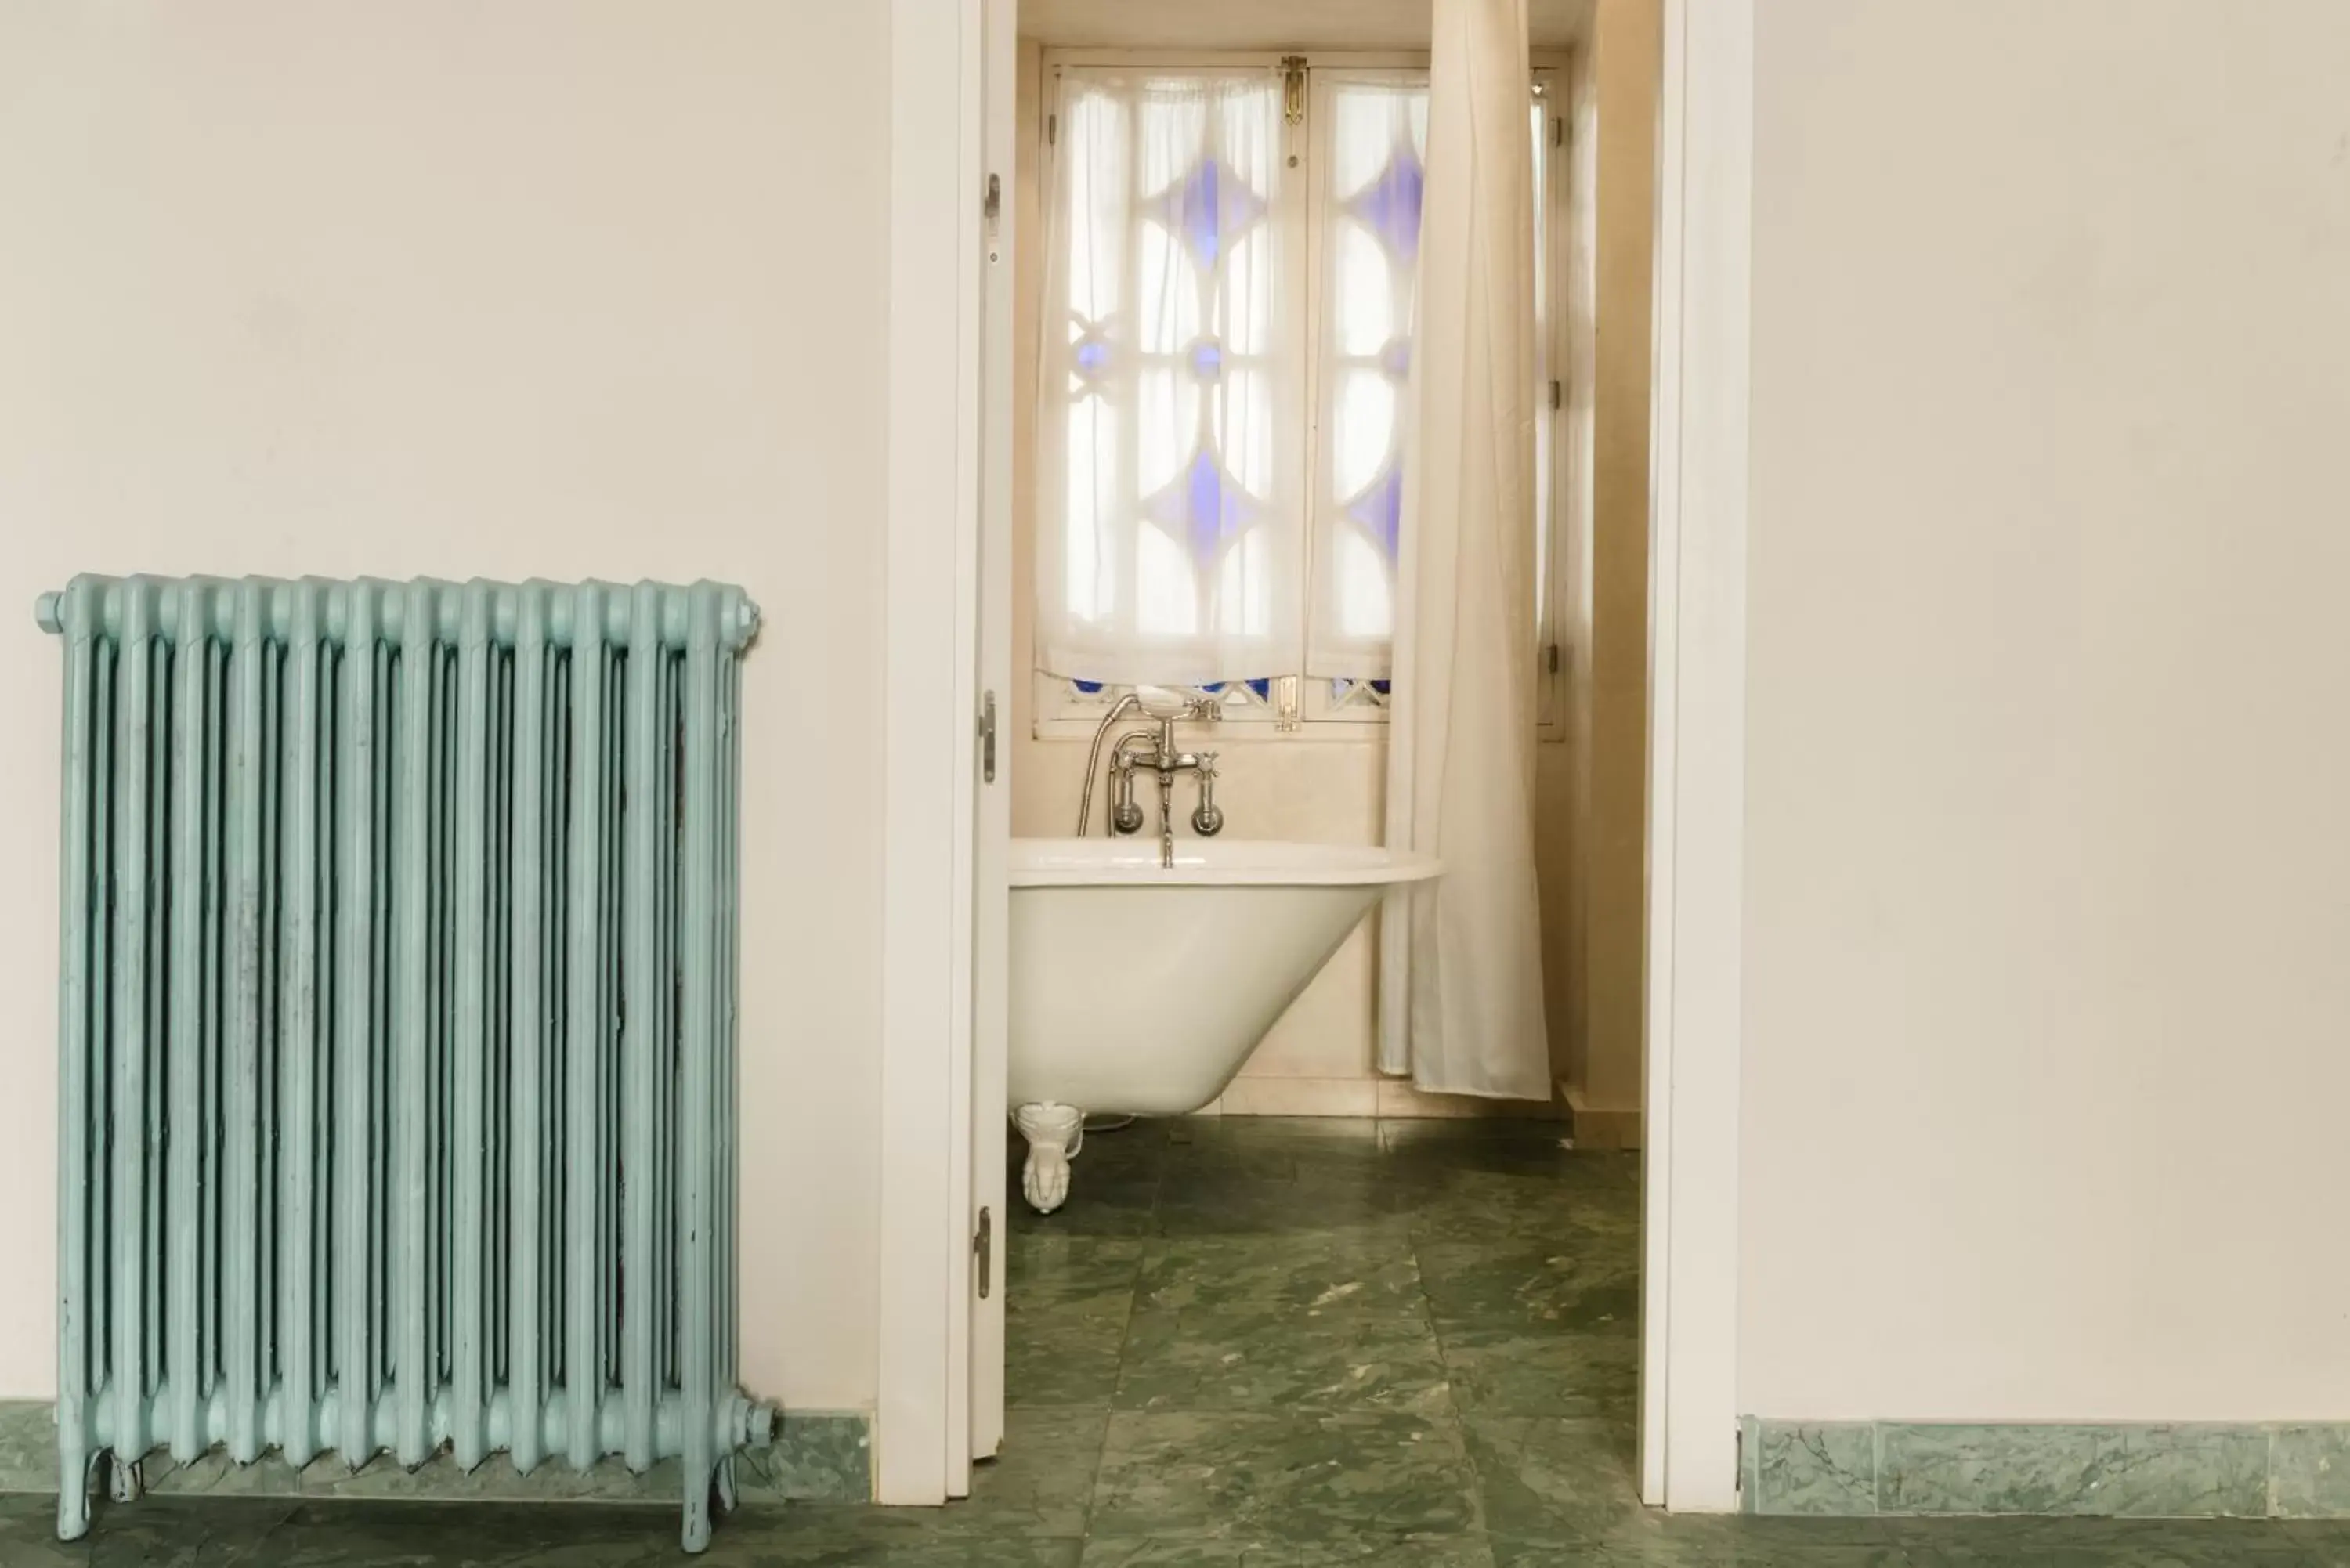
1227	352
1175	556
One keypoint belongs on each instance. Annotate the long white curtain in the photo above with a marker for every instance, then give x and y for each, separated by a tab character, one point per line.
1461	976
1169	521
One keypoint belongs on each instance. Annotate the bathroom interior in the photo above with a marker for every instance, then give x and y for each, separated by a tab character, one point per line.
1306	1215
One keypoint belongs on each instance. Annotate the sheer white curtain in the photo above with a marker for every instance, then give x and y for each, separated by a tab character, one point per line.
1370	154
1169	526
1460	957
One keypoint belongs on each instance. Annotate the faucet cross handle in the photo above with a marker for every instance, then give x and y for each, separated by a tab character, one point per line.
1208	820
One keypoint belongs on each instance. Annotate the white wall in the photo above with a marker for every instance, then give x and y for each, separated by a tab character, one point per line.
587	288
1598	1043
2046	1028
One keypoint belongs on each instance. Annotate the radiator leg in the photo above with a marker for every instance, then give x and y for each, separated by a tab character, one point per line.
73	1500
696	1535
1055	1133
125	1481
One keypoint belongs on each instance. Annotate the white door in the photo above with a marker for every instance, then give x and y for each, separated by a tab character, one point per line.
991	914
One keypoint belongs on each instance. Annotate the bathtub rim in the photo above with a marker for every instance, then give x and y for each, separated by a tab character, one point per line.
1211	862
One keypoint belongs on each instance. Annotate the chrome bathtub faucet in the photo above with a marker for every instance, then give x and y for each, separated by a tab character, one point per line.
1154	750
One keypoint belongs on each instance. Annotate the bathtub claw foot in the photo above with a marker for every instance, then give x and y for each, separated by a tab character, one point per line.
1055	1134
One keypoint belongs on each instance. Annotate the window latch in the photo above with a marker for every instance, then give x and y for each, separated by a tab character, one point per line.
1292	89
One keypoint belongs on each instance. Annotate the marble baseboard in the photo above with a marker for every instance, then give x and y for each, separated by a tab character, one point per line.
2145	1470
816	1457
1599	1127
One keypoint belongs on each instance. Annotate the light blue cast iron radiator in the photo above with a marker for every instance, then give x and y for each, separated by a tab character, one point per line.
396	1024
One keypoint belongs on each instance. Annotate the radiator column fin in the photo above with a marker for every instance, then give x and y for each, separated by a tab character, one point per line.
470	1210
298	1048
184	1266
524	1358
354	1114
134	768
641	1277
80	874
583	1365
699	980
241	1087
413	1010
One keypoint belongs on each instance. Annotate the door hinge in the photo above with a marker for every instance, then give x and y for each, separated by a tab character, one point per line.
1287	716
982	1250
1557	394
1052	131
1292	89
1558	131
1550	657
987	738
1738	1459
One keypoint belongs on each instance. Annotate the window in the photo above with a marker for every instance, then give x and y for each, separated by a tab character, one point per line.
1230	275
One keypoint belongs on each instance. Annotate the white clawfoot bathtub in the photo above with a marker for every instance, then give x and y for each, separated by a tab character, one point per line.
1136	988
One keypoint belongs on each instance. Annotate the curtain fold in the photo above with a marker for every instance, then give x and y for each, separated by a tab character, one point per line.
1461	957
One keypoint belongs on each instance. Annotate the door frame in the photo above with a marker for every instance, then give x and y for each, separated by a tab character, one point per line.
1697	747
930	786
942	127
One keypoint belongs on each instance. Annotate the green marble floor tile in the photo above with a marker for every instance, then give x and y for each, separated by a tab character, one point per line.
1547	1287
1533	1372
1692	1543
1405	1135
1479	1206
1544	1480
1063	1351
2077	1542
1281	1476
1272	1355
217	1532
1128	1152
1041	1484
1308	1270
1099	1204
1526	1152
804	1543
1338	1210
1423	1551
415	1534
1053	1265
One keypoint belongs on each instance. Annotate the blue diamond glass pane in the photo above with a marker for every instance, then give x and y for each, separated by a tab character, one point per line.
1209	208
1091	357
1382	687
1204	508
1208	359
1262	687
1379	510
1395	358
1087	687
1389	205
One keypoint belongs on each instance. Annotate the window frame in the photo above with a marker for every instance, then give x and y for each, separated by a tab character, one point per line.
1061	713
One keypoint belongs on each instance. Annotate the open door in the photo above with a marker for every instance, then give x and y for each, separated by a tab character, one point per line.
991	831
